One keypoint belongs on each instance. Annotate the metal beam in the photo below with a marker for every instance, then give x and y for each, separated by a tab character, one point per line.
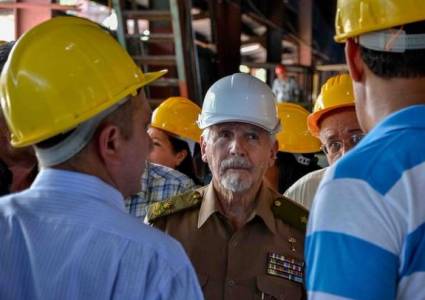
226	32
30	13
186	54
274	36
305	21
34	5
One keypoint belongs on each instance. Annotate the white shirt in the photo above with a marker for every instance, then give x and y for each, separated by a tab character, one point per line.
304	189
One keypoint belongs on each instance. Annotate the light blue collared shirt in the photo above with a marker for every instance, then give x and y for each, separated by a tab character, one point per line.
70	237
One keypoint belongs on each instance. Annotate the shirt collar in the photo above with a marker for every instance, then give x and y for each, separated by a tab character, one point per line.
409	117
209	205
80	183
262	209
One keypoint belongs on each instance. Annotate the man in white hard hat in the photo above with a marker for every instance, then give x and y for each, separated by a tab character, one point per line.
69	90
366	236
244	239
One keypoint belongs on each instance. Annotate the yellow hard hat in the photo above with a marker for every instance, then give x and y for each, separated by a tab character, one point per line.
356	17
337	92
294	136
178	115
62	73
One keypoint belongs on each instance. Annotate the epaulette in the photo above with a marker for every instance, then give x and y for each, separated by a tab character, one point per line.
290	212
173	205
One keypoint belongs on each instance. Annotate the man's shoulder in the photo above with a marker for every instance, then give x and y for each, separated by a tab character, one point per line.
17	202
6	205
166	173
290	212
176	204
304	189
311	178
380	160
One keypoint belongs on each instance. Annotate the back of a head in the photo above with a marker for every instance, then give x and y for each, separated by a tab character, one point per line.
63	73
392	38
240	98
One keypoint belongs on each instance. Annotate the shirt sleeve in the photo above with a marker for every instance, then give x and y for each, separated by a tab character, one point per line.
352	245
298	192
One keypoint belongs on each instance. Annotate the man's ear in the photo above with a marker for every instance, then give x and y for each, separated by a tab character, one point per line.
109	141
273	153
354	60
203	147
180	156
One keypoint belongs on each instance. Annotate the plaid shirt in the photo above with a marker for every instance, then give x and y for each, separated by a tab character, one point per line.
159	183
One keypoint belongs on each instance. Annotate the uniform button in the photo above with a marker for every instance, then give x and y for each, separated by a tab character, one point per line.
234	244
230	282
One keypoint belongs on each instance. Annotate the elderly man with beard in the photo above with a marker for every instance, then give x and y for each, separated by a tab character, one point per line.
245	241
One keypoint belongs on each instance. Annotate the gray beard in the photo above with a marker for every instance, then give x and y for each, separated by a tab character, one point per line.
234	183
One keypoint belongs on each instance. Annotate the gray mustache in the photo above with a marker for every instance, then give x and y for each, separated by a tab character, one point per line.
235	162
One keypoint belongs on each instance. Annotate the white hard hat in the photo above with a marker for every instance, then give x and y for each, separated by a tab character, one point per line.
240	98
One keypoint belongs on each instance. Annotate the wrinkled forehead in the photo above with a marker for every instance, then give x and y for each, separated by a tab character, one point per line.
238	127
340	123
340	132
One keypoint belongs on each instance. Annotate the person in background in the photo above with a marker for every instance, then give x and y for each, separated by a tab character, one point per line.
170	170
158	183
244	239
296	142
285	88
334	122
174	132
18	166
366	232
70	90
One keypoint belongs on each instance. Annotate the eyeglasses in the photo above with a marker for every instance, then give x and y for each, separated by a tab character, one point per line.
335	146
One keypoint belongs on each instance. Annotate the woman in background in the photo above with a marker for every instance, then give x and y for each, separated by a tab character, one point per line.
174	133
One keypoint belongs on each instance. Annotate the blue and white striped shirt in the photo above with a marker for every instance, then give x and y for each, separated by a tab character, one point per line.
69	237
366	233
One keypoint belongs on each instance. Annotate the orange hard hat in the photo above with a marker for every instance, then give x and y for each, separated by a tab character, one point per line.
280	69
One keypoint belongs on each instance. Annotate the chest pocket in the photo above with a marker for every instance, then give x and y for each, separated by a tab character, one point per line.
269	288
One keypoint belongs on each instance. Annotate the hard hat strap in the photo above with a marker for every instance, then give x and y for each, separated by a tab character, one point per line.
75	142
392	40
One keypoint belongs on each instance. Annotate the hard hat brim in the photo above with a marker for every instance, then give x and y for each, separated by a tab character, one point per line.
152	76
314	118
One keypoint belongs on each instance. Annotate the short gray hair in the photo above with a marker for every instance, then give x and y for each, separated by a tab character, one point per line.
206	135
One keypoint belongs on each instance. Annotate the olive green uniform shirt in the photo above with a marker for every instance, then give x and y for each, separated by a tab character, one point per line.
255	262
